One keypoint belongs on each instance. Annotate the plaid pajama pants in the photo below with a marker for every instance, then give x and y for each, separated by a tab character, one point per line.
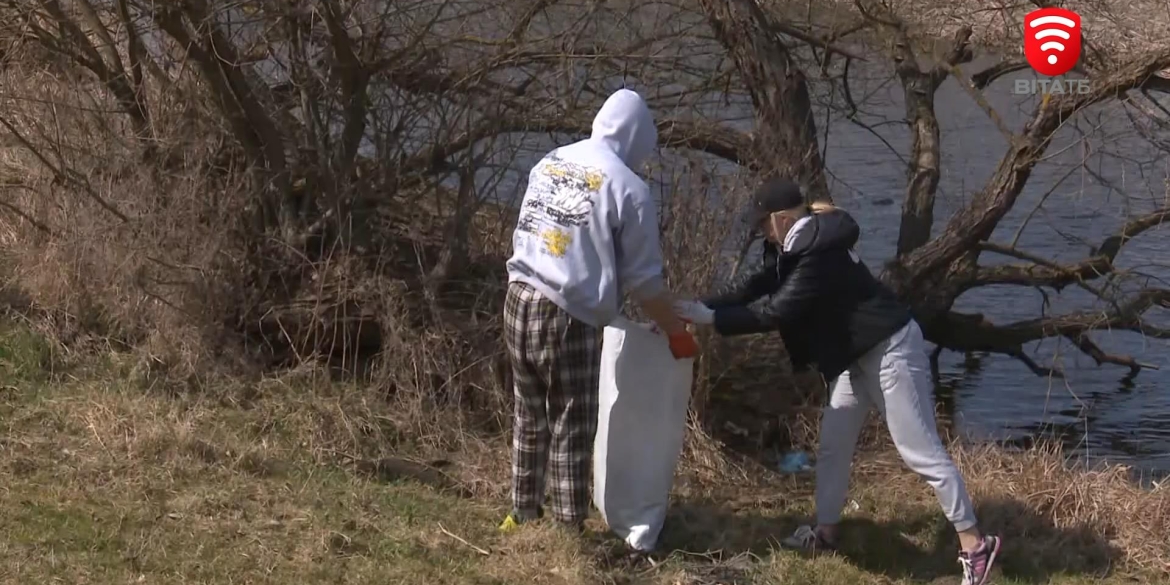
556	363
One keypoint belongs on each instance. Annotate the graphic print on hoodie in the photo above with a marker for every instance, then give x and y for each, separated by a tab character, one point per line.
561	198
588	227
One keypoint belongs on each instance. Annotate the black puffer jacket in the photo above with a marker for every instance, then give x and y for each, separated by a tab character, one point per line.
827	306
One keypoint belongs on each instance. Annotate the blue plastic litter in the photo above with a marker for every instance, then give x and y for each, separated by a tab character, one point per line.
795	462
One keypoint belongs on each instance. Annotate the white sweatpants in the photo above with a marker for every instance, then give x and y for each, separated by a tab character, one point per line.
894	377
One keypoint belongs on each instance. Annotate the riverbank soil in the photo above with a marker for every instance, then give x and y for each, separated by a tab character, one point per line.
106	477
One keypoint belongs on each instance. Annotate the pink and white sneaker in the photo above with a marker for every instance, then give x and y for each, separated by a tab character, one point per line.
977	565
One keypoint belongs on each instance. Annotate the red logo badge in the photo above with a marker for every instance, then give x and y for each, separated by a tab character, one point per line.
1052	40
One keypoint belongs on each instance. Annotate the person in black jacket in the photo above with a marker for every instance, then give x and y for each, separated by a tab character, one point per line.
831	312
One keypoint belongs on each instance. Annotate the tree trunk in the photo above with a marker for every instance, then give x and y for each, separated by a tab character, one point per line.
785	142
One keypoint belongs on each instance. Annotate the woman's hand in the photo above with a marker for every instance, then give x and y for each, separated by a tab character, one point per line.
694	312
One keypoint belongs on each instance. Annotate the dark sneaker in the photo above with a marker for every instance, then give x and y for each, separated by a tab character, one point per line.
807	539
977	565
513	520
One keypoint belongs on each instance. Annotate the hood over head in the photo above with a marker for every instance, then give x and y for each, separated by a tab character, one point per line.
819	232
627	126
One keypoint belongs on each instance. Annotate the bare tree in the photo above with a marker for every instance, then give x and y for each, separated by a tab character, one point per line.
322	115
932	272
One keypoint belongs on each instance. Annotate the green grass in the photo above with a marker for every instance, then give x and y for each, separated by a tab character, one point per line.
103	482
24	355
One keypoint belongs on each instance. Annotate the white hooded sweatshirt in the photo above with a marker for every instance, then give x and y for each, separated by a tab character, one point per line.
588	228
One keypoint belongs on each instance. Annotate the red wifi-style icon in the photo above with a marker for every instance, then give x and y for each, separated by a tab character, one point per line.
1052	40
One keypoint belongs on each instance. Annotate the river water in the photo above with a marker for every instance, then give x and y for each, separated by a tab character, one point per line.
1100	172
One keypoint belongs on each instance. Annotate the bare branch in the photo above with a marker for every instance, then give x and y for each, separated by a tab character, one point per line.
17	211
1112	245
136	53
964	332
988	76
976	222
109	70
354	80
1091	349
918	89
1039	370
92	59
822	43
107	46
252	121
786	134
969	87
172	24
63	174
1157	83
852	115
1042	272
1126	317
525	21
716	140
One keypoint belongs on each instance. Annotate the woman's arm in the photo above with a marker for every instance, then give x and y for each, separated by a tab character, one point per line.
803	285
761	279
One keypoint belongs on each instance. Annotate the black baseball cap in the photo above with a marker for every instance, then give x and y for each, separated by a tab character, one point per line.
774	195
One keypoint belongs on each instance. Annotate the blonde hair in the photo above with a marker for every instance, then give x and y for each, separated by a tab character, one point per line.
822	207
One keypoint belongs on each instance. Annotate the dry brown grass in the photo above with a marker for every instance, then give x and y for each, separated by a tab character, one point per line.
298	478
1082	503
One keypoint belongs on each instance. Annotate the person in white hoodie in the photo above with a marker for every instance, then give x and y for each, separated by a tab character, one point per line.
587	234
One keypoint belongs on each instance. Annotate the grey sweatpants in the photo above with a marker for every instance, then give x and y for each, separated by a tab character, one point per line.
894	377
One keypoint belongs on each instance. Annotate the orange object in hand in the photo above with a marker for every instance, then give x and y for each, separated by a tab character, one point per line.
683	345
